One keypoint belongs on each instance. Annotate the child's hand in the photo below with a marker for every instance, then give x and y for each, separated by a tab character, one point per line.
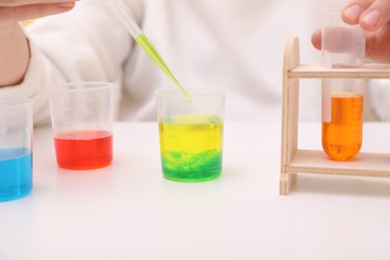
13	11
374	17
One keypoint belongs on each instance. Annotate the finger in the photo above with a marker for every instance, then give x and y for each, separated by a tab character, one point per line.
8	3
316	39
376	15
353	10
377	47
15	14
370	14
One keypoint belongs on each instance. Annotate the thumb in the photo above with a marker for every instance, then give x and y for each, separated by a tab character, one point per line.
316	39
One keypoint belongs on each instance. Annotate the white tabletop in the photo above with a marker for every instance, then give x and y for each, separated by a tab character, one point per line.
129	211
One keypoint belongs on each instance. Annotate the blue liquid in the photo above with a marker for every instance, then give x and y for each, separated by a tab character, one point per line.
15	173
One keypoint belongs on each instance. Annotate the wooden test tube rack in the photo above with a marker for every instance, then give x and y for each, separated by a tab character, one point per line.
294	160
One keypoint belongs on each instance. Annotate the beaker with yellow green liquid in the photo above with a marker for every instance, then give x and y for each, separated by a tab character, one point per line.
191	133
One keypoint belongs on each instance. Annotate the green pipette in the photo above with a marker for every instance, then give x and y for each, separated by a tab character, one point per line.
144	43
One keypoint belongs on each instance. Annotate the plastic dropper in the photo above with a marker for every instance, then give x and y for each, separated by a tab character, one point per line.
144	43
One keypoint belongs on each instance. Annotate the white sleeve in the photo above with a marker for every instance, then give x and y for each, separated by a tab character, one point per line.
380	98
85	44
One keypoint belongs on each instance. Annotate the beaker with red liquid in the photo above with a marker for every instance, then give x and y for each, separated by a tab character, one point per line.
82	119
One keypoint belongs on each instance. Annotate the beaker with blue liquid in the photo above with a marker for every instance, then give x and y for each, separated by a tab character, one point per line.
16	129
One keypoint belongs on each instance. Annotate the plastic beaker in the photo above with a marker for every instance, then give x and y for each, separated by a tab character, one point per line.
82	119
16	130
343	46
191	133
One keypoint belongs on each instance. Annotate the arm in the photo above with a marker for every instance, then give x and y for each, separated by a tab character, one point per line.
14	55
14	49
86	44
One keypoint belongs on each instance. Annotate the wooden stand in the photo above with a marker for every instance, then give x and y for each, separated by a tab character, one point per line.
294	160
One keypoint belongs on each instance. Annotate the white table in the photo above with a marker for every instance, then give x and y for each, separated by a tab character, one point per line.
128	211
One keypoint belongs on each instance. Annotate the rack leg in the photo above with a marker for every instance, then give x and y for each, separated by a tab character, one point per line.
287	180
290	111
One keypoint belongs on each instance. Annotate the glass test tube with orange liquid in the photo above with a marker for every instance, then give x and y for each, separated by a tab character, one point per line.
342	121
343	46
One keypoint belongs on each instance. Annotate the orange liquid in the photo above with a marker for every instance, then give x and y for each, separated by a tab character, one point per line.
342	136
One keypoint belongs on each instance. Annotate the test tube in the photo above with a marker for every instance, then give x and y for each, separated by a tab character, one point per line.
343	46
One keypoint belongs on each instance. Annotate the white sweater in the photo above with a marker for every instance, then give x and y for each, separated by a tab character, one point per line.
232	44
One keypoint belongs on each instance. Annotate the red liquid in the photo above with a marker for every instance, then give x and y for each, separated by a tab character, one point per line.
82	150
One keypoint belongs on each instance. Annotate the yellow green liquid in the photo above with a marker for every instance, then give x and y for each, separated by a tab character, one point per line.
191	147
148	47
